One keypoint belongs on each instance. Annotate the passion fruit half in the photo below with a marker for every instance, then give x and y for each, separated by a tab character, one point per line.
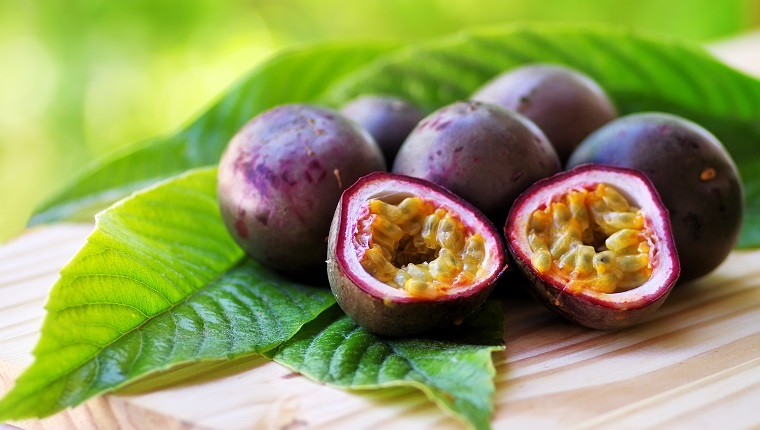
406	256
596	244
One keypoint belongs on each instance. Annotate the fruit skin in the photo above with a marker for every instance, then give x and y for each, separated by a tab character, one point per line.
366	300
706	210
566	104
281	177
389	119
482	152
597	310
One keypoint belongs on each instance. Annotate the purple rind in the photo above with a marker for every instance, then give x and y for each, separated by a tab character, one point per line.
280	179
482	152
566	104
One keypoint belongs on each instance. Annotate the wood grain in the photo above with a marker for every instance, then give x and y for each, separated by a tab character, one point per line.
695	363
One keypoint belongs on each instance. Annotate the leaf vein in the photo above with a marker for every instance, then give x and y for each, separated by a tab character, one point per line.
114	275
101	303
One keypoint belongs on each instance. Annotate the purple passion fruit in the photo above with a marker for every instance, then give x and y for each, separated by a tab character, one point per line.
406	256
280	179
596	244
566	104
484	153
388	119
694	174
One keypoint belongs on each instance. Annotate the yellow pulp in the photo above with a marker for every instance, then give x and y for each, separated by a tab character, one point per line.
418	247
594	239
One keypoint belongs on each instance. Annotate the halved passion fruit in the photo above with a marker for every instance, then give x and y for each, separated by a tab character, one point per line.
406	256
596	244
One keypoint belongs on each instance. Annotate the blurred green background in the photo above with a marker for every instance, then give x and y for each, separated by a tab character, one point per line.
81	78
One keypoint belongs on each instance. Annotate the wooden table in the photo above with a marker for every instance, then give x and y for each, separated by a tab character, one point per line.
696	363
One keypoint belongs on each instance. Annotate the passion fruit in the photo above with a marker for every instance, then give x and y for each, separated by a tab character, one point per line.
596	244
406	256
567	105
389	119
692	171
280	179
482	152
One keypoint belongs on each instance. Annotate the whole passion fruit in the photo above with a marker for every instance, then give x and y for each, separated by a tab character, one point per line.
389	119
566	104
694	174
596	244
482	152
406	256
280	179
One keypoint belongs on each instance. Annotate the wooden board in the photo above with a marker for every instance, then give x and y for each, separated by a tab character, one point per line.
695	363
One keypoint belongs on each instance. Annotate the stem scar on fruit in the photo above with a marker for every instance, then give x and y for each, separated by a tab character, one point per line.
707	174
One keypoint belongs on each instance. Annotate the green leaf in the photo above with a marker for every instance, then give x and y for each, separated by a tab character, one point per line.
158	283
641	72
455	369
298	75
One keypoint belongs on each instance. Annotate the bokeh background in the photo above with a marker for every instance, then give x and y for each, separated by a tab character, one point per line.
81	78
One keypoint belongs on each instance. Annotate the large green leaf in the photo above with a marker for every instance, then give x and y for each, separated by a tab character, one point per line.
454	370
640	71
158	283
298	75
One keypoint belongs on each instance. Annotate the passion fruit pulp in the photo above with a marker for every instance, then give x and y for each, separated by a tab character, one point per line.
596	244
406	256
